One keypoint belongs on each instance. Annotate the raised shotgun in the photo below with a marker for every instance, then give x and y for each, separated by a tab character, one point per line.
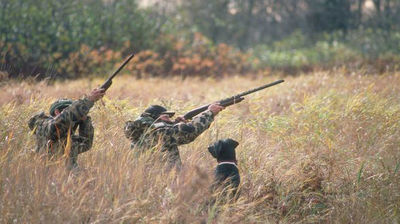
229	101
108	82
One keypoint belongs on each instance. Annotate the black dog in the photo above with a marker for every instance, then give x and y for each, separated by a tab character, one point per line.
227	172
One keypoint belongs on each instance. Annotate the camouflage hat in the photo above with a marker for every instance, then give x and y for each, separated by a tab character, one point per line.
59	104
154	111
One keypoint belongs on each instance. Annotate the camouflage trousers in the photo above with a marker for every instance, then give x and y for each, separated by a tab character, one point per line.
171	159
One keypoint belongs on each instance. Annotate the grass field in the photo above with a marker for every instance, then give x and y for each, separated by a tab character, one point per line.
321	147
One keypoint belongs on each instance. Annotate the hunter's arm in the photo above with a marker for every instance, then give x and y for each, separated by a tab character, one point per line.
71	115
185	133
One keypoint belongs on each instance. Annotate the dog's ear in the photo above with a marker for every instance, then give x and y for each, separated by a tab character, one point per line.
215	149
230	143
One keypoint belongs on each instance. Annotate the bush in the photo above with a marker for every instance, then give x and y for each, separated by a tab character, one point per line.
38	36
196	58
297	52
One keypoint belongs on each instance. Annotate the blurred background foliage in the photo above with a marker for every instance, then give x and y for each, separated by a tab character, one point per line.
74	38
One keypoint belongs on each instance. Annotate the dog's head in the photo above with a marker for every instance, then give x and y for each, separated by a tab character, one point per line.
224	150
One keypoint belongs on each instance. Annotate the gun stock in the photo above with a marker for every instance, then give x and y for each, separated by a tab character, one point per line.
229	101
108	82
194	112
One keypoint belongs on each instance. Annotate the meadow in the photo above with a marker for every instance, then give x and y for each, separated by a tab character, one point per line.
322	147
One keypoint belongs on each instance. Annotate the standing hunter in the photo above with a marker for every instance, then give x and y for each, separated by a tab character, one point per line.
55	133
154	130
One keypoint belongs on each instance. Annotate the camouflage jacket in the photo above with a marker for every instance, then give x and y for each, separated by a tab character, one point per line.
167	136
52	132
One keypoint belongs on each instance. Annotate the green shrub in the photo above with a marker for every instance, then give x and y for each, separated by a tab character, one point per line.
36	36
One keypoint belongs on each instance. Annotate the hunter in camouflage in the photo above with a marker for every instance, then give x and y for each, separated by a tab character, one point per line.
154	130
55	133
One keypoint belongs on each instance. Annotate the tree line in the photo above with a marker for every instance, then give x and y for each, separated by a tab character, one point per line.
43	36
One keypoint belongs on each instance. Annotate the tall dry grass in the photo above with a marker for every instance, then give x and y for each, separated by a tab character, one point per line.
322	147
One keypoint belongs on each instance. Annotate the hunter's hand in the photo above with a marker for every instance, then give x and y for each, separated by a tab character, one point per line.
96	94
215	108
180	119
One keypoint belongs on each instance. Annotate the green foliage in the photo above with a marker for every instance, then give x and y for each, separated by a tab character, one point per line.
43	33
70	38
295	51
375	43
329	49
